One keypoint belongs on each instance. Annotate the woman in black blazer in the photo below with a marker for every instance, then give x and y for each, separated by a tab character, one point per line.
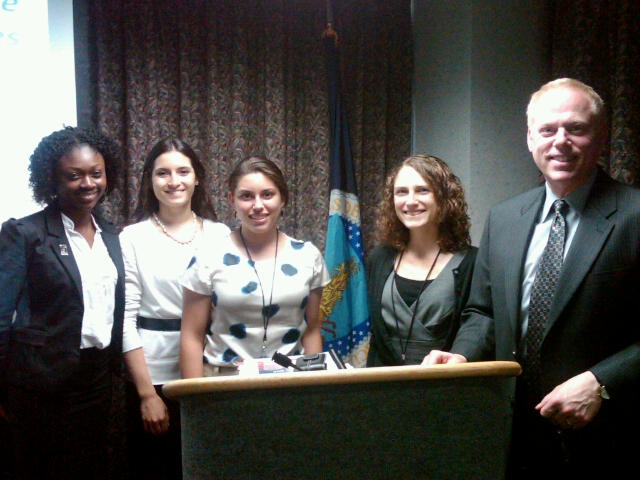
418	278
61	312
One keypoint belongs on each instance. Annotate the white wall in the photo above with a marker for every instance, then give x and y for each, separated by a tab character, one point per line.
476	64
37	89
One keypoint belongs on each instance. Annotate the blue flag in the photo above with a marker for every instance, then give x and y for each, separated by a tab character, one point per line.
344	305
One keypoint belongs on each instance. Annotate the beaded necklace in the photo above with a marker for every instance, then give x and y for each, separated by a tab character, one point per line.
166	232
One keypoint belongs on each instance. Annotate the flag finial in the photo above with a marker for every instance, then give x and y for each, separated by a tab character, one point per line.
330	33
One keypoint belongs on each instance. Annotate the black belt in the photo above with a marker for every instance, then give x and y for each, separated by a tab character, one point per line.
159	324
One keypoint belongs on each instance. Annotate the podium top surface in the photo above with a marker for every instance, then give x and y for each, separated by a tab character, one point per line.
196	386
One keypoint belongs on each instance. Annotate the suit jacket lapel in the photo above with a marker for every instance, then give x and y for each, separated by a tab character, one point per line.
110	239
59	245
519	237
592	233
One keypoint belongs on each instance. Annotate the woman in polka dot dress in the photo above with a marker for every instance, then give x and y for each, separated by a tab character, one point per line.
258	291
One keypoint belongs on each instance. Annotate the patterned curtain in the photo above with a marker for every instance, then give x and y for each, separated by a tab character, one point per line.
598	42
235	78
241	77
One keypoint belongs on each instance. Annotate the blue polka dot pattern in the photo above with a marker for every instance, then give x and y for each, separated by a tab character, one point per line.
289	269
229	355
238	330
249	287
251	263
230	259
191	262
291	336
303	304
296	244
214	299
270	310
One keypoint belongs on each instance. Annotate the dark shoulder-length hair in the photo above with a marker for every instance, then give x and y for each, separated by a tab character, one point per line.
454	223
148	204
43	163
259	164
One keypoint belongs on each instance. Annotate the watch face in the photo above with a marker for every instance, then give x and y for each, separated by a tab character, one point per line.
603	393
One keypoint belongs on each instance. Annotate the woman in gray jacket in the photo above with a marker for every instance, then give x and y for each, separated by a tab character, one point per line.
418	278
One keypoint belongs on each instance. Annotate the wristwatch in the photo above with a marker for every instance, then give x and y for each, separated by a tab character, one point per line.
603	393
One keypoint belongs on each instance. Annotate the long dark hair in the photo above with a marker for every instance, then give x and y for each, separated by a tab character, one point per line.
148	204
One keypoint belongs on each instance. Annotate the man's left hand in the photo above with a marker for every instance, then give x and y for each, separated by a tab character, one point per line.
574	403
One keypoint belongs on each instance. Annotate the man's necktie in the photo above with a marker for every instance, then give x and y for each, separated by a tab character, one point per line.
543	290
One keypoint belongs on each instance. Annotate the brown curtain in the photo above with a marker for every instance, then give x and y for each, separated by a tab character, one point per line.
235	78
598	42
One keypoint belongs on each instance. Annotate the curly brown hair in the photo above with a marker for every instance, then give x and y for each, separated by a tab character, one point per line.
454	223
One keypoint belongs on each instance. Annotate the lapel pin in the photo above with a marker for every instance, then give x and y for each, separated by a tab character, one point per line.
63	249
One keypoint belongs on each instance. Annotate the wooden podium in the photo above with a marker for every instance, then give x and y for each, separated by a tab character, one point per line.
442	422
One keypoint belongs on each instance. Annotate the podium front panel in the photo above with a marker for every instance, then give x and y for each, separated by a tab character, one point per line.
440	429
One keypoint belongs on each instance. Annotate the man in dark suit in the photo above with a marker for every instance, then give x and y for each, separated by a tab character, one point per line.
577	406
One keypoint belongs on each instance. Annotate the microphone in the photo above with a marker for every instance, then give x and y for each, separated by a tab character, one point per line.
285	361
336	359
